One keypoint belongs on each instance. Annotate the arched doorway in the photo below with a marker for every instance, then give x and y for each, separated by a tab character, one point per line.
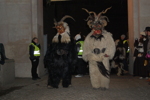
118	15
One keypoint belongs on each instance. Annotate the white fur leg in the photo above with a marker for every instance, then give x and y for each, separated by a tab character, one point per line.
94	75
97	79
104	80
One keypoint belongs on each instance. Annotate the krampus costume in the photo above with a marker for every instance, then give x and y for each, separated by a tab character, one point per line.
99	48
61	56
117	65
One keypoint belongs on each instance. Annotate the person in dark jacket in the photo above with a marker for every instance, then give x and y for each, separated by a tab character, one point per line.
147	49
34	53
140	68
2	54
2	57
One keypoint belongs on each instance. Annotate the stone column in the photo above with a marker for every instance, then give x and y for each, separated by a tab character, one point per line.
21	20
138	19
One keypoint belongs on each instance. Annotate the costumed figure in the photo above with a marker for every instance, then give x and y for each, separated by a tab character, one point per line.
61	56
117	65
99	48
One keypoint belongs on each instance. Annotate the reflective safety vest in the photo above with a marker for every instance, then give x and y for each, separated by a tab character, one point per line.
128	47
36	50
125	41
81	47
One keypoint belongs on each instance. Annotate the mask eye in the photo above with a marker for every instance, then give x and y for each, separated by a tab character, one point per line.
60	27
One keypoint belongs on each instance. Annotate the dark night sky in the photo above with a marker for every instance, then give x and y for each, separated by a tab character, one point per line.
117	25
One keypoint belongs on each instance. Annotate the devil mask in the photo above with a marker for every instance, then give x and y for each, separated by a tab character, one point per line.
61	26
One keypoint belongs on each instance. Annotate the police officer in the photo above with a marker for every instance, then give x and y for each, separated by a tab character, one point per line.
34	52
81	66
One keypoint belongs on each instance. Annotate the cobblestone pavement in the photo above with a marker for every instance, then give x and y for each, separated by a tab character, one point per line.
124	87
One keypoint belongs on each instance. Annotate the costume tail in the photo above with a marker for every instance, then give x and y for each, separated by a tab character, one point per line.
102	69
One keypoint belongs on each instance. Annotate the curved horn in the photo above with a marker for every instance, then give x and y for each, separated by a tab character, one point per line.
106	10
103	17
89	12
90	17
87	18
103	12
104	23
89	23
55	22
104	20
66	16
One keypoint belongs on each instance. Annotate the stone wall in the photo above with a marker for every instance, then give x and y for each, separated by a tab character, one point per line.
21	20
7	72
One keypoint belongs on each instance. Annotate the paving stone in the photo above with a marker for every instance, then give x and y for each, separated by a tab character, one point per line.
124	87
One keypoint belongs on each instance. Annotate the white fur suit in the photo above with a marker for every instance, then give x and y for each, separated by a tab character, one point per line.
98	80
